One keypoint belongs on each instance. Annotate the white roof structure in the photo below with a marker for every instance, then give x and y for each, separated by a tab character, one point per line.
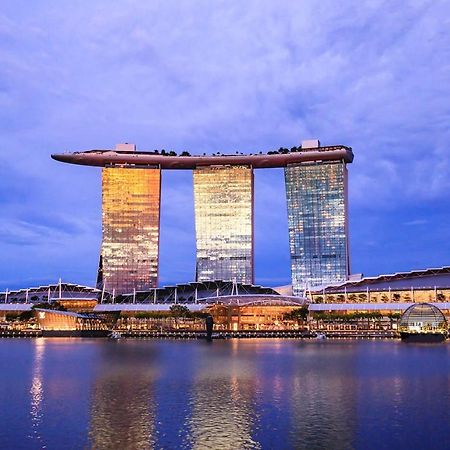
437	277
369	306
256	299
19	307
142	307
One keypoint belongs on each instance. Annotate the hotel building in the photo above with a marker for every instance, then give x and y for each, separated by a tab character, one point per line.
316	189
224	223
129	254
317	219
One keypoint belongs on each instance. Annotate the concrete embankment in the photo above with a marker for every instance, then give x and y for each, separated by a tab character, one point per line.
181	334
20	334
259	334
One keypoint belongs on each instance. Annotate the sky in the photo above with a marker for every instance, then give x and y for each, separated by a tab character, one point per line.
223	76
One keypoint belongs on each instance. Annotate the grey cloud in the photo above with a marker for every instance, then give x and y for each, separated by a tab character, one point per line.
207	76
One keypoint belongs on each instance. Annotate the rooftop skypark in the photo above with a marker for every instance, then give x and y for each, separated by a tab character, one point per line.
126	154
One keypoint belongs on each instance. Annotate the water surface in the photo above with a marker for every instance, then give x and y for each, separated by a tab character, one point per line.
236	394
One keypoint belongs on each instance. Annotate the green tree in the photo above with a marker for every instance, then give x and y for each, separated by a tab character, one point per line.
362	298
180	311
297	314
25	315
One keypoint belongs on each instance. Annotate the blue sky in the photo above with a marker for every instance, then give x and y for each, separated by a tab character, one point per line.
223	76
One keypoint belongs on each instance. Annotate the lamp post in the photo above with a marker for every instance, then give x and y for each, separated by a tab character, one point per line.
103	292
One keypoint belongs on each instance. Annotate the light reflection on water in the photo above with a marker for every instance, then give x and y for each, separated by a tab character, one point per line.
248	394
223	409
36	391
122	407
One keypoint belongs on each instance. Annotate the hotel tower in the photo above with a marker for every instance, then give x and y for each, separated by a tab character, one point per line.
131	198
316	193
223	198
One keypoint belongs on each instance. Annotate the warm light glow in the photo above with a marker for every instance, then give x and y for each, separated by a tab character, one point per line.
131	213
224	223
37	390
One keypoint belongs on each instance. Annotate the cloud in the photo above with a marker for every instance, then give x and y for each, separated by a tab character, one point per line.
219	76
416	222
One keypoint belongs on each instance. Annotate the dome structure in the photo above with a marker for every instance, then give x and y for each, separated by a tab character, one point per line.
423	318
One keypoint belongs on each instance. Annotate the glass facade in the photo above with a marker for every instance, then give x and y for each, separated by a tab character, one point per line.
130	244
224	223
317	219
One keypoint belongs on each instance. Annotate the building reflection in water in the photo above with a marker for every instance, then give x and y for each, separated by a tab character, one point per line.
323	412
224	396
37	390
122	406
247	394
323	405
306	396
223	404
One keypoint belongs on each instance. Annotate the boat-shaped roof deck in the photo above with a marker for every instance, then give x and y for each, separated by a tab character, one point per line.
106	158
